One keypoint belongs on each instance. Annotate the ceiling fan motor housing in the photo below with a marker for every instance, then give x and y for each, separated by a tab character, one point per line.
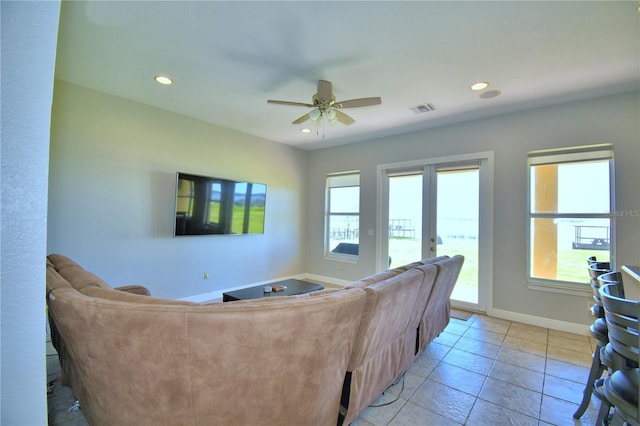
322	104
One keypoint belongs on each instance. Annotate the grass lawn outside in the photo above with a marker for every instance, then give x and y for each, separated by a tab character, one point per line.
572	263
404	250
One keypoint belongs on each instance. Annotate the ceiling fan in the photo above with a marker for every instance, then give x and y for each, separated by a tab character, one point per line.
325	106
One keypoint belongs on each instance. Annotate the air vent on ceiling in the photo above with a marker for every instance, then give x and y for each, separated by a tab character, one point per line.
419	109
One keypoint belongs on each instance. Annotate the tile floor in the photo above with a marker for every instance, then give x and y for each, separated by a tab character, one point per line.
483	371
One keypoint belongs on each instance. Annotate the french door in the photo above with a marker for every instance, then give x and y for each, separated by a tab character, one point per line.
440	207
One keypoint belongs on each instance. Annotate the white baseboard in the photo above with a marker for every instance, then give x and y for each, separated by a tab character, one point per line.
328	280
569	327
204	297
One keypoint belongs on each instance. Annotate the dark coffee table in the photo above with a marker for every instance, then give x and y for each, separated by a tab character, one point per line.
293	287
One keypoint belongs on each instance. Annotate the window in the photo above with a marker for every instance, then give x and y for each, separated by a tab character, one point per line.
342	227
570	219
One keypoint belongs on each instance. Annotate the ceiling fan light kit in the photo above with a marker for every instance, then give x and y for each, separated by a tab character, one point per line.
331	115
315	114
325	106
318	114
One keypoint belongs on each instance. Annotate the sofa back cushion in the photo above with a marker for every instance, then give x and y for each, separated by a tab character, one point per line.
373	279
437	312
55	280
123	296
409	266
432	260
77	276
448	272
430	272
387	314
381	276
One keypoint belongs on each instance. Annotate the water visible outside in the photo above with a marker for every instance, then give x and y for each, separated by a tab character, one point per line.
457	223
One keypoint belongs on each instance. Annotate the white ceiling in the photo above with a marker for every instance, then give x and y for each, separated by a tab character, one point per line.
228	58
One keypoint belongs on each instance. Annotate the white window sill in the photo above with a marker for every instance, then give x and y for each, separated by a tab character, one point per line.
573	289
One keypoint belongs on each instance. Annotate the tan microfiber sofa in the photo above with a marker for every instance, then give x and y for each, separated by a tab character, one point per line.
437	313
390	338
312	359
132	360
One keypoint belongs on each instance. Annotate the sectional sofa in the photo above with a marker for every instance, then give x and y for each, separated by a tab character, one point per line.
314	359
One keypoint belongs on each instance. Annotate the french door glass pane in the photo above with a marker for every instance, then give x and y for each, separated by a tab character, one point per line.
405	219
457	226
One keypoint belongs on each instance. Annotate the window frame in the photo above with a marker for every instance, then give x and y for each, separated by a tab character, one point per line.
337	177
575	154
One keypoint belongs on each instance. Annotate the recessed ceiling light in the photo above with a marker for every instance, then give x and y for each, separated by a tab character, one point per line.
163	79
481	85
305	130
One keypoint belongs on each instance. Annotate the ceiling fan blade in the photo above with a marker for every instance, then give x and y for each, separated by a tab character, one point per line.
301	119
354	103
271	101
324	90
343	118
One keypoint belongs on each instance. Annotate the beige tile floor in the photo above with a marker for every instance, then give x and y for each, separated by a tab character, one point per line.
483	371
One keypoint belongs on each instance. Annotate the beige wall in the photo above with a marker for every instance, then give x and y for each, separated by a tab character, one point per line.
112	193
112	184
607	119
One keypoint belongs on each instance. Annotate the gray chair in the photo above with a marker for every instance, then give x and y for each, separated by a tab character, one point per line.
607	354
596	269
620	388
598	331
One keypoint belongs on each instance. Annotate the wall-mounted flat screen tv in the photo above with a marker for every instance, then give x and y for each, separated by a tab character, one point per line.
214	206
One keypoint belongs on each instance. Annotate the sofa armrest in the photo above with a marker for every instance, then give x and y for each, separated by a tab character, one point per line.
135	289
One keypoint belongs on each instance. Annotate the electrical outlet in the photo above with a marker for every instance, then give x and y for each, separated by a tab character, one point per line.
342	267
205	276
